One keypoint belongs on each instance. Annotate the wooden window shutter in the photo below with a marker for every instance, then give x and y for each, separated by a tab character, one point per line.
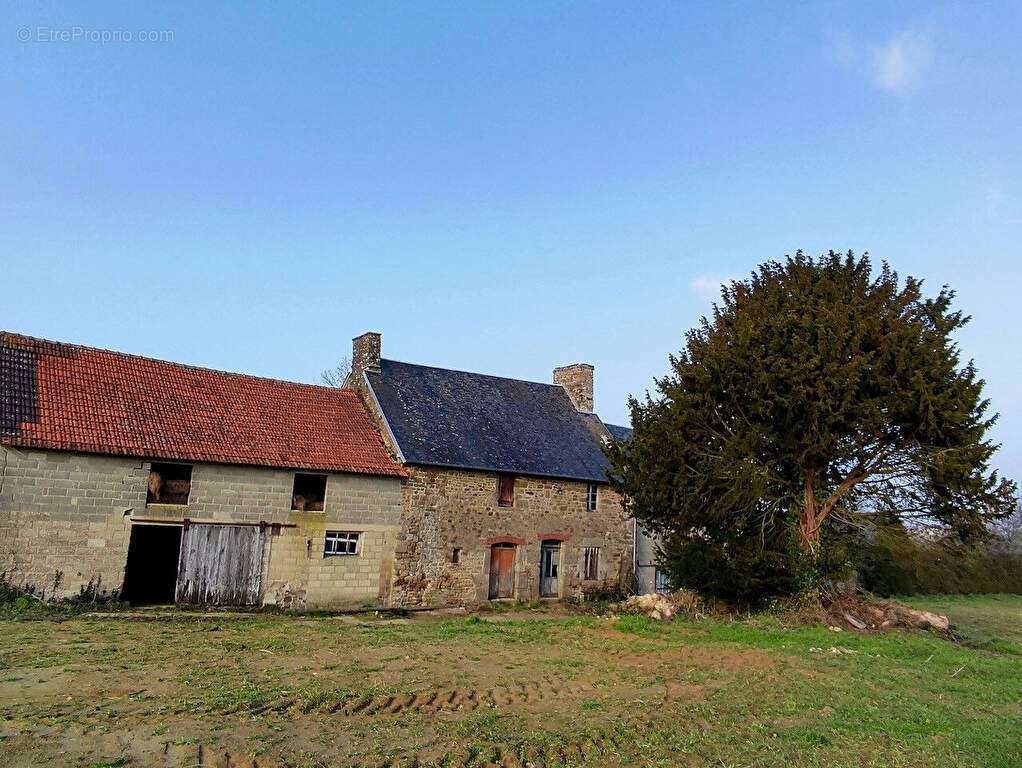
506	494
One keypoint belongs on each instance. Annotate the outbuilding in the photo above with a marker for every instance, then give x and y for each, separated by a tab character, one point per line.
171	482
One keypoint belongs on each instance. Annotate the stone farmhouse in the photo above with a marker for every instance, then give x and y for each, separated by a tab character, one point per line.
507	493
412	486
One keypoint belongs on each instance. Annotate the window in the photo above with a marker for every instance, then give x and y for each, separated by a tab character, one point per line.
341	543
662	585
456	555
591	569
591	497
309	493
506	491
169	484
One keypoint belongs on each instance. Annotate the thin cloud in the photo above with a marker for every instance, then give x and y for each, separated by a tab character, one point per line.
899	65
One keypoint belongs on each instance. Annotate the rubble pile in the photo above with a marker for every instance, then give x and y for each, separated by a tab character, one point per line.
659	607
865	615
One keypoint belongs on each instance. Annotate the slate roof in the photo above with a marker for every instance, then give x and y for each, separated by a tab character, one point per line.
71	398
441	417
619	434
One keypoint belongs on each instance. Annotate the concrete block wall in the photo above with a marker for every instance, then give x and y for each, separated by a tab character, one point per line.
298	574
72	514
67	514
450	508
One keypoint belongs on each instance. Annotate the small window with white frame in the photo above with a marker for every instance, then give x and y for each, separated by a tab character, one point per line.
341	543
591	497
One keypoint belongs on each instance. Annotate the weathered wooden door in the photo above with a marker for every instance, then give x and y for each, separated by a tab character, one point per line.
549	561
502	570
220	565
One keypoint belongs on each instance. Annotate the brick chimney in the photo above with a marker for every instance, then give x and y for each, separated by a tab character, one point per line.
365	354
577	380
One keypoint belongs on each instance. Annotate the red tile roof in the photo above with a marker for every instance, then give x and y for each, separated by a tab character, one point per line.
70	398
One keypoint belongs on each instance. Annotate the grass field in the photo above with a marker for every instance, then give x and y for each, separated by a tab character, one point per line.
517	689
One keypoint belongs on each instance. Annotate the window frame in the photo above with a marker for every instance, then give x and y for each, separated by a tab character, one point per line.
590	563
501	480
592	496
335	537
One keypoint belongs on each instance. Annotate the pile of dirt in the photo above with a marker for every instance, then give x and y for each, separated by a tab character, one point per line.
854	613
660	607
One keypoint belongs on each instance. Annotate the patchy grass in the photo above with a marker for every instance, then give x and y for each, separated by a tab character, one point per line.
992	622
511	689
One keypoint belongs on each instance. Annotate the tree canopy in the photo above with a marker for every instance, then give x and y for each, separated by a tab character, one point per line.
819	399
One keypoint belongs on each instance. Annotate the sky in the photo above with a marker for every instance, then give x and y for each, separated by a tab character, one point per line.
496	187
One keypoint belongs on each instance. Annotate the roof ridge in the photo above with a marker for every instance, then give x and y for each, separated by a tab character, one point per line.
5	335
472	373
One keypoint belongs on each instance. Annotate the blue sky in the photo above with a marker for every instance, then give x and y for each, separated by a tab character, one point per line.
496	187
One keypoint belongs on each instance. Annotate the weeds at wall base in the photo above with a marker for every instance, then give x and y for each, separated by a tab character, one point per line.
20	600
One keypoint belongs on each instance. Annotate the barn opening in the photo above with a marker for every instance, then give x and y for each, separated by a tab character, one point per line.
169	484
309	492
150	574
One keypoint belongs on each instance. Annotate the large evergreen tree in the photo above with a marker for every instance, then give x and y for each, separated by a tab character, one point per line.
819	399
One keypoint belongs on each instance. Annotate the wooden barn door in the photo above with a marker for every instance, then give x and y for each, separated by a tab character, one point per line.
502	570
220	565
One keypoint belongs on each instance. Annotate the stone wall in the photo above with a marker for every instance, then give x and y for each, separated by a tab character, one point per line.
72	514
448	509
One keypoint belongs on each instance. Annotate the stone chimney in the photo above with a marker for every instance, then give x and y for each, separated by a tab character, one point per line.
365	354
577	381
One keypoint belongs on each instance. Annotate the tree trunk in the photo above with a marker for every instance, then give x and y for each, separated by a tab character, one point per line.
809	522
812	514
810	532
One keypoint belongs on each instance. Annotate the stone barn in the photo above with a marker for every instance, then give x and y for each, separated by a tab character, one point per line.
171	482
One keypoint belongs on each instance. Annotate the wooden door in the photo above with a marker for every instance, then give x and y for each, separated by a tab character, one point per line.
220	565
502	570
549	563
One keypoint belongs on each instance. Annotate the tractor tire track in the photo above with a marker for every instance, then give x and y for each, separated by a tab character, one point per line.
445	700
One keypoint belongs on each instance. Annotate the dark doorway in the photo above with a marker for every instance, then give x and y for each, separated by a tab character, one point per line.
549	563
502	570
151	570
